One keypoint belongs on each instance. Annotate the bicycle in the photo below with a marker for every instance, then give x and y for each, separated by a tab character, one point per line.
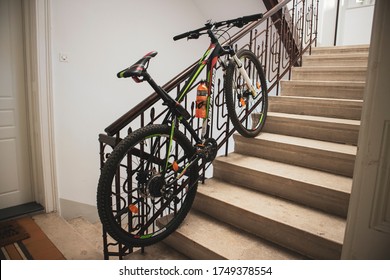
144	199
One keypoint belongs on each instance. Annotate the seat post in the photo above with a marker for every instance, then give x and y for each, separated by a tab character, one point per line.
159	90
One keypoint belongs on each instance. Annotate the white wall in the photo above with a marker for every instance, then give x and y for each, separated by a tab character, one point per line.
100	38
327	11
219	10
354	22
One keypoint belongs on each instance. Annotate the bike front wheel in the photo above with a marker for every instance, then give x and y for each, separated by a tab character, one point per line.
147	185
247	112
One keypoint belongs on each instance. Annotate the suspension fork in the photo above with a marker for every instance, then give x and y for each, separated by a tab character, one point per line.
244	74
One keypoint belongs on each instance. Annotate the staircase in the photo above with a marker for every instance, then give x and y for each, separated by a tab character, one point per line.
281	195
285	193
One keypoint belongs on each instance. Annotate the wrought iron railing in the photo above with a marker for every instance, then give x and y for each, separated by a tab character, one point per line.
279	40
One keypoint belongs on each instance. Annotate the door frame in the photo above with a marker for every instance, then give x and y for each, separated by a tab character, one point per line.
39	91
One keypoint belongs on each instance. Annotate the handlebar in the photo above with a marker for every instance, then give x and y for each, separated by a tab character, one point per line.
238	22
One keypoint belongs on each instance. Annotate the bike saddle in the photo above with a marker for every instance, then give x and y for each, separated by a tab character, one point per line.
137	69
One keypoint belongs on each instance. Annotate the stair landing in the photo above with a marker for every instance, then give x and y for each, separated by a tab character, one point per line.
78	239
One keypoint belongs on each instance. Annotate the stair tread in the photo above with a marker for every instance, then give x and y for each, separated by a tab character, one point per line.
345	102
353	90
342	49
336	60
317	106
337	55
305	219
314	118
235	244
330	68
327	83
308	143
291	172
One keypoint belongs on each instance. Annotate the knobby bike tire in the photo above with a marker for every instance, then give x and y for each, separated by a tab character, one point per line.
246	113
131	190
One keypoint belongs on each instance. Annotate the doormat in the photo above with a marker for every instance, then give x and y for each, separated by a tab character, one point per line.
10	232
37	246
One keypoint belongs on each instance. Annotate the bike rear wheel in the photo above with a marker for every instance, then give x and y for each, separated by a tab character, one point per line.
140	199
247	113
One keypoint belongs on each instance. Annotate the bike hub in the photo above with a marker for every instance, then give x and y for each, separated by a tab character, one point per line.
155	186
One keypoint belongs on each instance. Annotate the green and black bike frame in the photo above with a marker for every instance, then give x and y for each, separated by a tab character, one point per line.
177	113
209	61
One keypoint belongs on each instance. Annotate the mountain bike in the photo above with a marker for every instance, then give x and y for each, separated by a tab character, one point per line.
149	181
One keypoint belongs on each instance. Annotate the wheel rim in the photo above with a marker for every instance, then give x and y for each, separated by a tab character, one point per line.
141	204
248	109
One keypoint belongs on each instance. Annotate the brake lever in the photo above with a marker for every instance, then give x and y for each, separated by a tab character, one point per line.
193	36
240	23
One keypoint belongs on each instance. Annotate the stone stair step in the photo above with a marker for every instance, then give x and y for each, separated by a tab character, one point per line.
334	158
325	107
324	89
321	190
196	238
93	232
341	49
313	127
328	73
309	232
88	231
336	60
70	242
158	251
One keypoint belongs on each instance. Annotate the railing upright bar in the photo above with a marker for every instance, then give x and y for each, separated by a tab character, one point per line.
316	32
293	32
303	26
267	38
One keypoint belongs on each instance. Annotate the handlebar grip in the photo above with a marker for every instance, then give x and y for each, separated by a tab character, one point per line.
252	17
238	22
181	36
184	35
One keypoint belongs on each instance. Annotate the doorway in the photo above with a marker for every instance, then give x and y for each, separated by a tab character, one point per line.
27	177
